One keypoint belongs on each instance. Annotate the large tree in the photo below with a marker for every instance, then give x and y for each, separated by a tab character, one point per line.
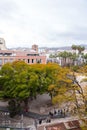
21	82
74	94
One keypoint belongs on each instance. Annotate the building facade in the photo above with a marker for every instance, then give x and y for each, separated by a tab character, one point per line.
2	44
29	57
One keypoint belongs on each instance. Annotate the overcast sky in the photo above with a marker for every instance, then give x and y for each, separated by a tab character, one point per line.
48	23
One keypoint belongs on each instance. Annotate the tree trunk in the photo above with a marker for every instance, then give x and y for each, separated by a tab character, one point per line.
26	107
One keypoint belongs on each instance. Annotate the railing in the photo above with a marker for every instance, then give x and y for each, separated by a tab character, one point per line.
15	126
6	123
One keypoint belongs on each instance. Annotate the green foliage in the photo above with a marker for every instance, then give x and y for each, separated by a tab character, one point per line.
79	48
1	94
19	82
75	68
53	55
68	58
65	54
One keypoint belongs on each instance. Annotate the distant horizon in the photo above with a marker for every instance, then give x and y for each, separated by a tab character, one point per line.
50	46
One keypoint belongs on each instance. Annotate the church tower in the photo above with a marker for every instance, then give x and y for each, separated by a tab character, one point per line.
35	47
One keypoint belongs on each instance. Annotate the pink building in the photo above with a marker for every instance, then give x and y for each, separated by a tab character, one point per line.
30	57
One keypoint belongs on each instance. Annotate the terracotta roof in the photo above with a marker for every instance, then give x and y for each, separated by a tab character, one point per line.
59	126
70	125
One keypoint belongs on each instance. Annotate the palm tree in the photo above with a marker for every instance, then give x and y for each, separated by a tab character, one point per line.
66	56
74	47
74	58
80	49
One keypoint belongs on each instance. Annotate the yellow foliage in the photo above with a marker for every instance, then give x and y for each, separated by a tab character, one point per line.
51	87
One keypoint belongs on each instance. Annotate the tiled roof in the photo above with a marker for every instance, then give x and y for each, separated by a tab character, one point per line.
59	126
69	125
72	124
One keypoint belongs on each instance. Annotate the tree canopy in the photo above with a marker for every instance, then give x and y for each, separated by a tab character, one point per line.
21	82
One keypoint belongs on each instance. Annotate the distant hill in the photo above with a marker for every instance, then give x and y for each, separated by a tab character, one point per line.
48	48
61	48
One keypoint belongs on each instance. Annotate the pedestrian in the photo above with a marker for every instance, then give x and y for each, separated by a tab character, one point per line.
58	111
61	112
48	119
55	111
50	114
40	121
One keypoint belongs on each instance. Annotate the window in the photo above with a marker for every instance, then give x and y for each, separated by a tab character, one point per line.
32	54
38	60
28	60
32	60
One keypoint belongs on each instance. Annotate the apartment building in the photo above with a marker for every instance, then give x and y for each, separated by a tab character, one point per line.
30	57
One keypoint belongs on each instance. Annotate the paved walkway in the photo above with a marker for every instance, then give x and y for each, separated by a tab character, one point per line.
39	108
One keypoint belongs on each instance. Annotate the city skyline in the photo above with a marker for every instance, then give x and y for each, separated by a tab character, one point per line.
50	23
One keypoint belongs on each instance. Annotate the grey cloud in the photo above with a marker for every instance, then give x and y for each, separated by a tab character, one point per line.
7	9
44	20
79	33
